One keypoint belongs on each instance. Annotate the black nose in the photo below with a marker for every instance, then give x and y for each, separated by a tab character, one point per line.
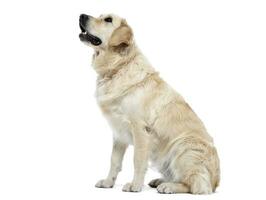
83	18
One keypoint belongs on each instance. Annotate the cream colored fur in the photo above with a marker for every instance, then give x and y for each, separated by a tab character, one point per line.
143	110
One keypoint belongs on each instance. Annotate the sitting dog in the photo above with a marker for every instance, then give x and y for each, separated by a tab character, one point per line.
143	110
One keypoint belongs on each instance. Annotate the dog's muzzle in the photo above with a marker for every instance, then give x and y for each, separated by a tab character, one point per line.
85	35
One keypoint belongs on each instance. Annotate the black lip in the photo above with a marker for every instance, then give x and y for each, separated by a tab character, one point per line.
87	37
83	18
82	28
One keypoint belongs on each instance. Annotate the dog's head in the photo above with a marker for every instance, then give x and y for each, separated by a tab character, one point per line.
105	32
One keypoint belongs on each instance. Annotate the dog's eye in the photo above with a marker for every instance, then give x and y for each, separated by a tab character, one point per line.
108	19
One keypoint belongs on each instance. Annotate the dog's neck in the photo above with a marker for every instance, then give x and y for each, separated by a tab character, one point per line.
107	63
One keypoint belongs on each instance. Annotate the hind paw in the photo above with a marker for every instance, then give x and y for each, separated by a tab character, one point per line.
155	182
166	188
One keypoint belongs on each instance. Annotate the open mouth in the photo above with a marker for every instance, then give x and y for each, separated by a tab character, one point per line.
87	37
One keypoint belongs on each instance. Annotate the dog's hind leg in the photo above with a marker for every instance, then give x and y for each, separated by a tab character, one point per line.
199	184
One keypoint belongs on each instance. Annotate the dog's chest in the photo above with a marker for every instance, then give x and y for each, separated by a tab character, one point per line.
119	123
120	112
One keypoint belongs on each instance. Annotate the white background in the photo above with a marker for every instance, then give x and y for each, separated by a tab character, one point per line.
54	142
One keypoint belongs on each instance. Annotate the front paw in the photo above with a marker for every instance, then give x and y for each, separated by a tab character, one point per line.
105	183
132	187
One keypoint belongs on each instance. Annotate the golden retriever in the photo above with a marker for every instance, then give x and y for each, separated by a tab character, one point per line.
143	110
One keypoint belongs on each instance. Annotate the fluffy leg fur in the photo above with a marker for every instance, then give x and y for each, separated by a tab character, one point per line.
199	184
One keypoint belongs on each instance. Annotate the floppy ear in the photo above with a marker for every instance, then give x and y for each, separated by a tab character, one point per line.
121	37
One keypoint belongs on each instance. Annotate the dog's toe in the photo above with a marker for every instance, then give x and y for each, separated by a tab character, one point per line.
105	183
165	189
131	187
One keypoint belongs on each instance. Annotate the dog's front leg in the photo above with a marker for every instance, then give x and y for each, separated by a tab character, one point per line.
116	165
141	154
